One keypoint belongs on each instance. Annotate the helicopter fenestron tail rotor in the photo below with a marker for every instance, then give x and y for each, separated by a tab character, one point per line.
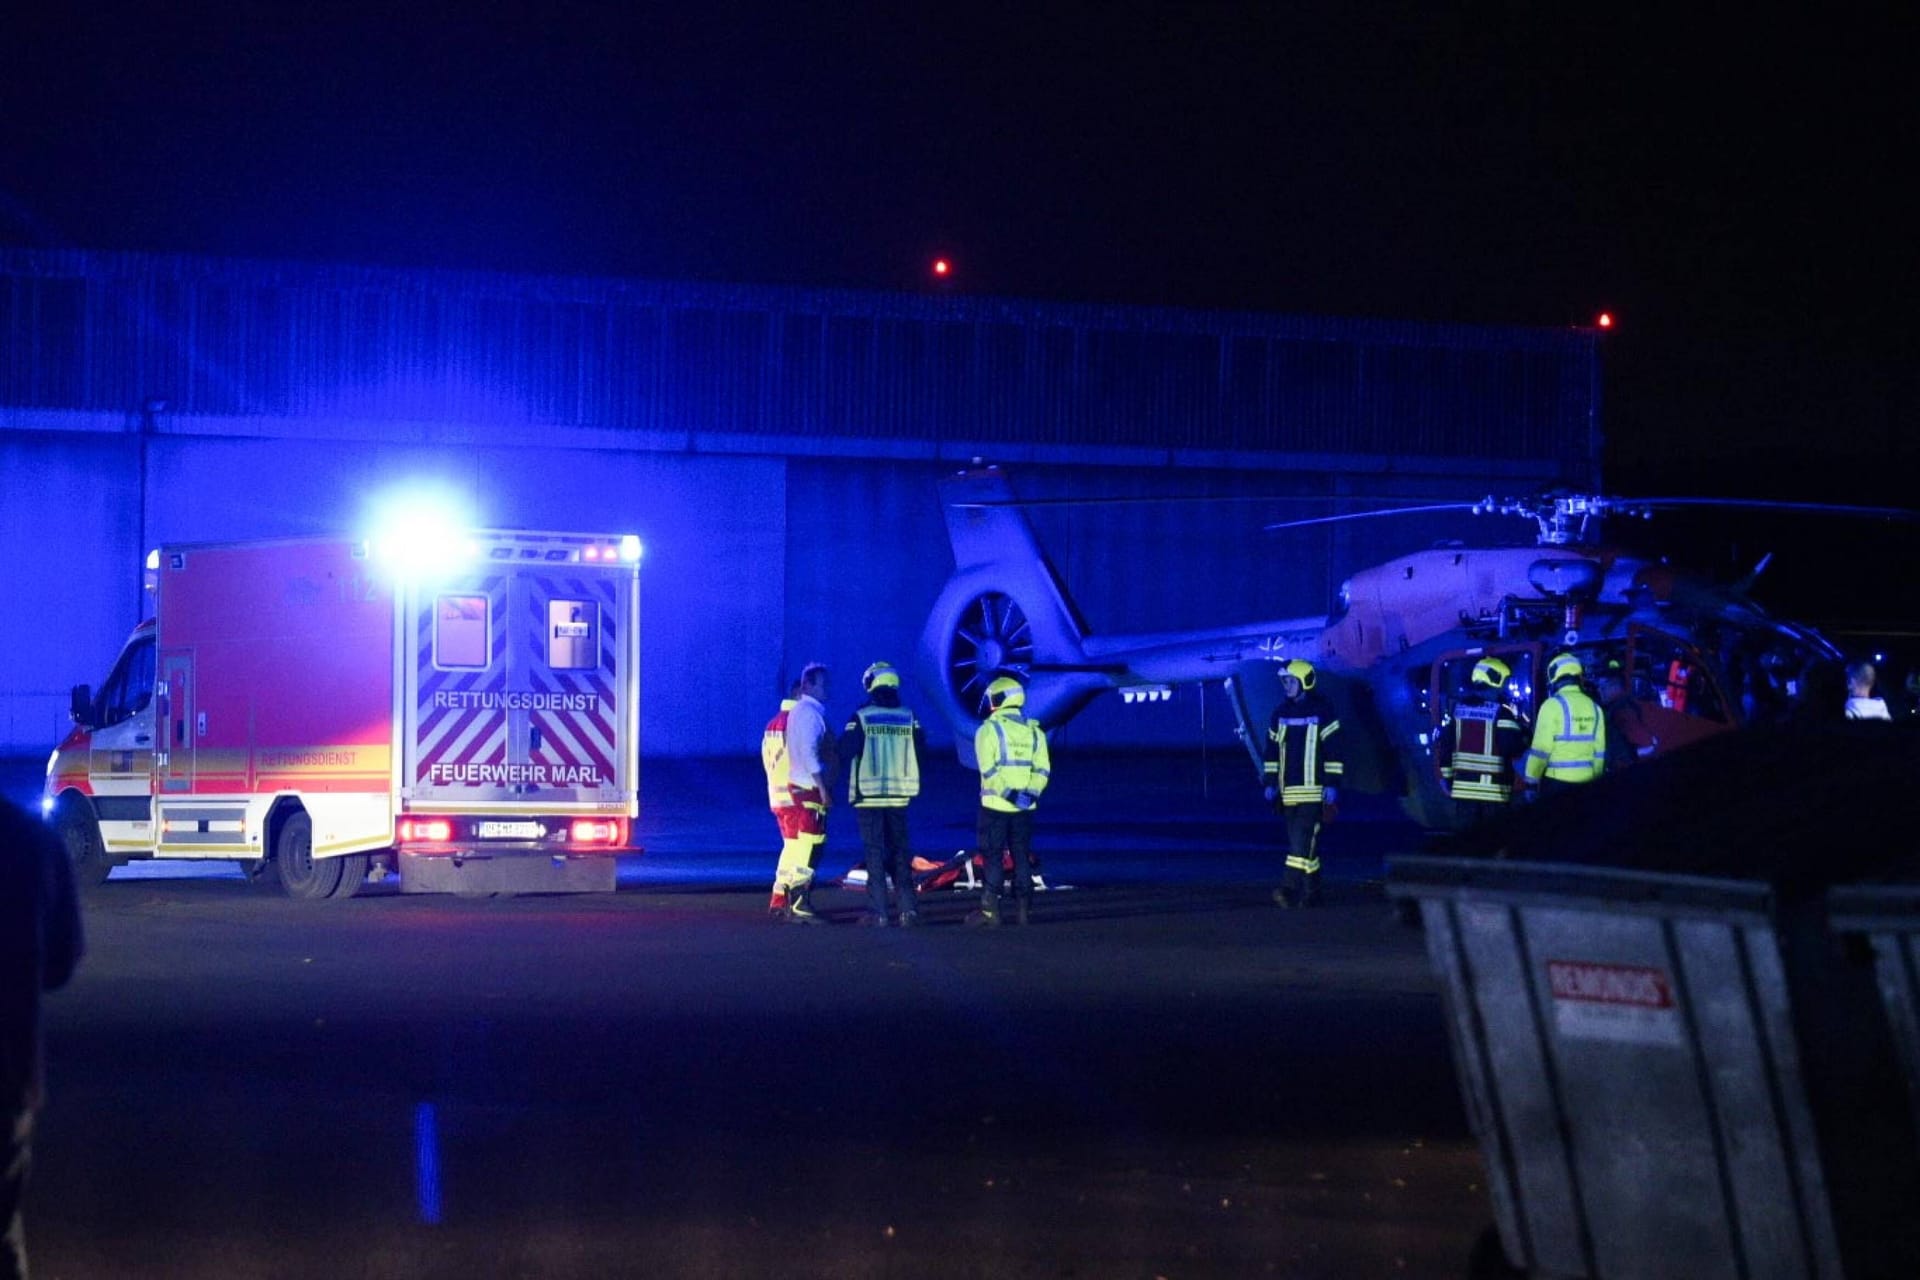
990	637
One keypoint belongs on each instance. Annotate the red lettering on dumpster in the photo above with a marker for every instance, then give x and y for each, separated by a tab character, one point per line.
1615	984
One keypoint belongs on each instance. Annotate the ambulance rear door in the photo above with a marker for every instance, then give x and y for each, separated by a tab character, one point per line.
522	690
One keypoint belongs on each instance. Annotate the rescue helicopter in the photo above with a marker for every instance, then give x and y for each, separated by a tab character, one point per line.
1697	657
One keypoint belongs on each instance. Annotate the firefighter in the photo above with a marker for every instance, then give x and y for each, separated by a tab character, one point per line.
773	759
1570	737
1014	770
1302	769
881	747
809	776
1482	738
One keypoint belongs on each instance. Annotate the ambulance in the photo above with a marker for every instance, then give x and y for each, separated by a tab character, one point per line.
454	714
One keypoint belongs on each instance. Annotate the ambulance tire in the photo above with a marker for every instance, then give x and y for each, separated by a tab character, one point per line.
301	874
81	836
353	873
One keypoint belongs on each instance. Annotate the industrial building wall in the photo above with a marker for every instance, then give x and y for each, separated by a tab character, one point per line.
70	580
755	564
686	365
778	450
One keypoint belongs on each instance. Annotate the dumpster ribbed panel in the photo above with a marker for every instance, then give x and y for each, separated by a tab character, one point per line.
1889	917
1626	1051
114	332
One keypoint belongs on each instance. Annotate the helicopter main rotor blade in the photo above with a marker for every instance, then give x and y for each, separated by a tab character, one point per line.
1763	504
1375	515
1188	497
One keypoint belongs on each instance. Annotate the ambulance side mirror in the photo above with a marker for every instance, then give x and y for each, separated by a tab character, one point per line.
80	706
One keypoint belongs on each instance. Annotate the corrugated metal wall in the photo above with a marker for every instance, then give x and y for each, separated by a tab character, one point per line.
112	332
779	450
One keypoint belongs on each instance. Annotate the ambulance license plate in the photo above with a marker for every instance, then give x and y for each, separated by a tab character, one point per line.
511	831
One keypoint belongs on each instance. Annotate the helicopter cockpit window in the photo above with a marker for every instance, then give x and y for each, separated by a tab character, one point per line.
1677	678
1342	602
129	690
1766	671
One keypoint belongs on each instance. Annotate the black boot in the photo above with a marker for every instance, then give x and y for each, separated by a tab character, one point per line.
800	906
988	916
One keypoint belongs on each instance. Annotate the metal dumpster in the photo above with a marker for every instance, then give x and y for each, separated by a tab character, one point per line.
1626	1047
1888	916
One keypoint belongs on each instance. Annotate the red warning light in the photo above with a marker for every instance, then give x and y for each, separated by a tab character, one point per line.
1606	320
942	267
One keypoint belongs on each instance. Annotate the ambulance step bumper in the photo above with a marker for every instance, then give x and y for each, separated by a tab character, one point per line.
534	873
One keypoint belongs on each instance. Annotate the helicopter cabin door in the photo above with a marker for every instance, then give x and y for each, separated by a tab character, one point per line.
1675	695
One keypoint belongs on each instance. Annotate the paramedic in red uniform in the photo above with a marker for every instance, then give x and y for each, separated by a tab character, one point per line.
40	943
809	775
773	759
1302	768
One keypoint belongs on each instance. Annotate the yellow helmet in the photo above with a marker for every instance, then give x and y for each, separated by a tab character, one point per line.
1564	667
1300	669
1006	692
880	675
1492	672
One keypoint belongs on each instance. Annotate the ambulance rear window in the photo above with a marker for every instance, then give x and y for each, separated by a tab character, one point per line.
460	629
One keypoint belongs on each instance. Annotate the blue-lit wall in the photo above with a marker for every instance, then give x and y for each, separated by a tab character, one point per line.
754	565
778	452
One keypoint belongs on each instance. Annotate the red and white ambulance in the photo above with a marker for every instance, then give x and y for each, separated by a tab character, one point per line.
331	712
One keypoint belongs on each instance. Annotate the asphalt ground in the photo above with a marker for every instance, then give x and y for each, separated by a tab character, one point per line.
1164	1075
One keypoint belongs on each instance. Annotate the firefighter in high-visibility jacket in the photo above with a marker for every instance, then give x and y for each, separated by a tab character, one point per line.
1014	770
1569	735
1479	744
1302	769
881	748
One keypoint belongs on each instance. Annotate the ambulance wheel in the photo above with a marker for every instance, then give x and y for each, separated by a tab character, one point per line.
301	874
353	873
81	836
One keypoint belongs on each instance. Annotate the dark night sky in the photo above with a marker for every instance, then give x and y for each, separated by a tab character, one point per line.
1734	192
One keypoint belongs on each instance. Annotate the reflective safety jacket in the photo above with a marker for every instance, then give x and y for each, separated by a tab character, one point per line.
1012	751
1477	748
882	745
773	757
1569	739
1302	758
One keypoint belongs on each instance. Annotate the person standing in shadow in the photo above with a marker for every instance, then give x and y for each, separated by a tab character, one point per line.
40	943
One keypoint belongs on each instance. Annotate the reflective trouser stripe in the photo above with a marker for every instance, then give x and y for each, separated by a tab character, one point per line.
1308	859
795	869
